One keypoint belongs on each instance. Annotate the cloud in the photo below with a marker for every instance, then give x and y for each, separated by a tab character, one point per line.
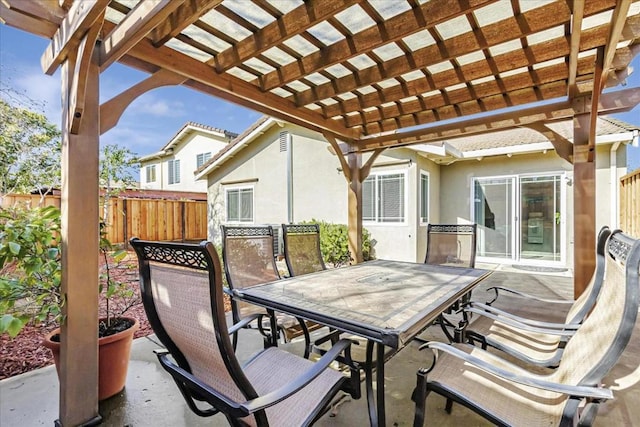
151	105
36	88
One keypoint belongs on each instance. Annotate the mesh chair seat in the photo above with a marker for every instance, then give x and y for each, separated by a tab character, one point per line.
534	345
182	294
506	394
274	368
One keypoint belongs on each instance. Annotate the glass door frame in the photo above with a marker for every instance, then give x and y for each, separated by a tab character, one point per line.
516	231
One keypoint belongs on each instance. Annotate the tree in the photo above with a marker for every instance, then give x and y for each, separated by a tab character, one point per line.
116	164
30	149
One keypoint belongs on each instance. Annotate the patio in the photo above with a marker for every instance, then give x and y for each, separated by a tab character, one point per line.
151	397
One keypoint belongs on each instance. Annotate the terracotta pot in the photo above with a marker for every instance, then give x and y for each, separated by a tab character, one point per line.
113	358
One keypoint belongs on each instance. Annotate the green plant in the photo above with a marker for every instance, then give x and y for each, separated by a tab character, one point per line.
334	243
30	267
30	263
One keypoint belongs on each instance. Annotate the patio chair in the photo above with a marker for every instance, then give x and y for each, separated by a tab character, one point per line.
302	248
532	340
248	257
182	293
508	395
451	245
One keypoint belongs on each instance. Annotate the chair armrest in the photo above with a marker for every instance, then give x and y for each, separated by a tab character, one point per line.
527	321
301	381
244	322
570	390
497	289
564	330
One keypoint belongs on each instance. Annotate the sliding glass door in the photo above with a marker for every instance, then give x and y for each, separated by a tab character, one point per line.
520	218
494	213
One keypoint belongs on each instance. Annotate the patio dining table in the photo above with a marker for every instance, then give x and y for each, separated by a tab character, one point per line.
386	302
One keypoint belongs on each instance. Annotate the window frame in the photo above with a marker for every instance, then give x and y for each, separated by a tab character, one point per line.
404	200
239	189
150	170
421	197
171	171
205	158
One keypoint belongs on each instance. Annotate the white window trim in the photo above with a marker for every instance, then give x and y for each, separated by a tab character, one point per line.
205	158
404	221
170	167
428	175
253	203
147	170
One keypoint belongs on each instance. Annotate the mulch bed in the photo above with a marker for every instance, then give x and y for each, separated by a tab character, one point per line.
25	353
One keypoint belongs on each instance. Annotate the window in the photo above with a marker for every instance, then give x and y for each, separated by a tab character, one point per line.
383	198
240	204
174	171
424	198
151	173
202	158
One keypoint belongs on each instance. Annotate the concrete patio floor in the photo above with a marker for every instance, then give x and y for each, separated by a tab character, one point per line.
151	398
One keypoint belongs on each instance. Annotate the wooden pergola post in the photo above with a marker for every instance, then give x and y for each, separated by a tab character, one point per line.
584	203
80	150
355	206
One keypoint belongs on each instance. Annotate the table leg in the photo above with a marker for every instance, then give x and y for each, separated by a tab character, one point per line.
371	400
375	401
380	384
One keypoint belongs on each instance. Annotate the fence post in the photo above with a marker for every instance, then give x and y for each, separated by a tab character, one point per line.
184	222
125	230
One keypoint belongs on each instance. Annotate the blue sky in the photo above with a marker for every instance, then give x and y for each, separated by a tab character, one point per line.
153	118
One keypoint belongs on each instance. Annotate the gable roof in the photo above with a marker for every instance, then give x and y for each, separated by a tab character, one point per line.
521	140
511	141
186	130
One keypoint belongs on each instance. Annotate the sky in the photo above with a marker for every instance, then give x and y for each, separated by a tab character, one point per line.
156	116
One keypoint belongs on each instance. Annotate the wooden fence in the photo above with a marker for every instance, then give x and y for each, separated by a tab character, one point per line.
630	203
149	219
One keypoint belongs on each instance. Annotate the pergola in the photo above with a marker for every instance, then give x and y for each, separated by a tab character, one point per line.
370	75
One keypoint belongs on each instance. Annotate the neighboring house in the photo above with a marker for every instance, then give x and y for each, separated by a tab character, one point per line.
172	167
512	183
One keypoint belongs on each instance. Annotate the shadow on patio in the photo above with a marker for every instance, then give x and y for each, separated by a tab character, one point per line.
152	399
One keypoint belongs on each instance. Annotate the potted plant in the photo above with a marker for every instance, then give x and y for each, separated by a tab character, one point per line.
30	244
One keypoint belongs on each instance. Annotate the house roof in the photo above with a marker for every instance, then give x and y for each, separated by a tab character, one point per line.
511	141
237	144
187	129
370	73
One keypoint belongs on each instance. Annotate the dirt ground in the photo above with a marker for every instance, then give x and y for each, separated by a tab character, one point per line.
25	352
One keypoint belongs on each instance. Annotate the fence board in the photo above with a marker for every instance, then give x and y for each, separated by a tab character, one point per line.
148	219
630	203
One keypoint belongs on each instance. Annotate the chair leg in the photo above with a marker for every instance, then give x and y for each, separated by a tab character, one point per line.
448	406
419	396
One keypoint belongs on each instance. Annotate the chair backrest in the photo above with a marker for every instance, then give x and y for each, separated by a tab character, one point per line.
181	287
247	252
598	343
451	244
585	302
302	248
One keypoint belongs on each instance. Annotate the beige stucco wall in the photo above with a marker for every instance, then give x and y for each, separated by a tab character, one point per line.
186	151
456	195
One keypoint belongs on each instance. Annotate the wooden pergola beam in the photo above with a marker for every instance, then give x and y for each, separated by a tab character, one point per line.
15	18
134	27
576	31
397	27
234	88
81	16
610	103
563	147
293	23
185	15
112	110
499	32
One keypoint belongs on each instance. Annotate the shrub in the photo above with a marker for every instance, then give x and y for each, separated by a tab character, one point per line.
334	243
30	267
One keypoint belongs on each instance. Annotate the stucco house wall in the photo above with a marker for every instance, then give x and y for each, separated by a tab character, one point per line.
185	146
297	178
